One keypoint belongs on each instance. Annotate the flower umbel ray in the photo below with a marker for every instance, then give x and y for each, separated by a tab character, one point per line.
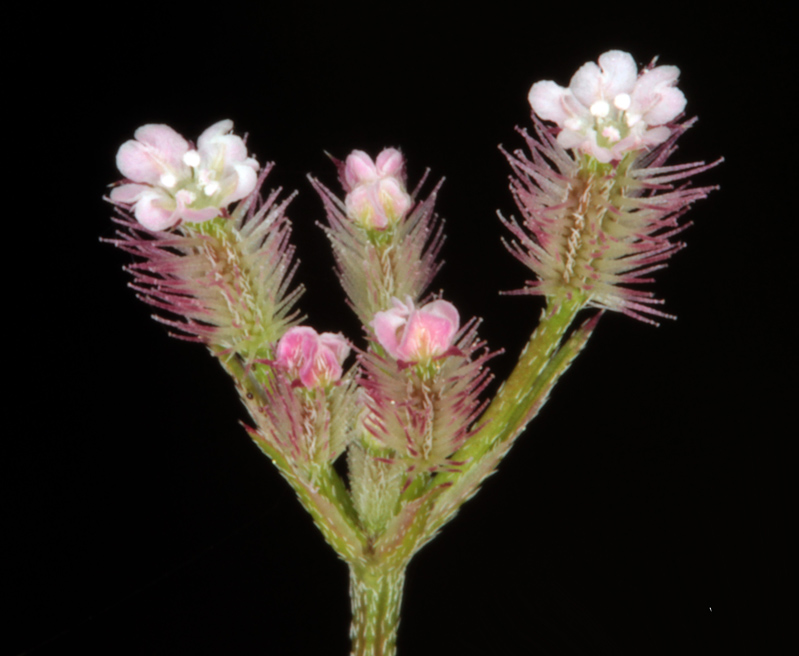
594	230
375	265
600	209
305	425
423	414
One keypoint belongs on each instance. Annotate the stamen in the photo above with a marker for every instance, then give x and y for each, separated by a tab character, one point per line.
192	158
600	109
168	180
622	101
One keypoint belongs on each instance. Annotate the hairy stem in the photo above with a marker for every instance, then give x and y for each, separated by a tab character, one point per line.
375	594
540	365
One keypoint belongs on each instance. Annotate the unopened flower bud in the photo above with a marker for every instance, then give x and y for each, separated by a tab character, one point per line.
312	359
376	195
412	335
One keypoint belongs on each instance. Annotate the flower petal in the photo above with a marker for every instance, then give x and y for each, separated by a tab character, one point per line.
656	136
337	344
151	212
199	215
585	83
547	100
445	310
388	323
128	193
169	145
139	163
619	73
655	96
246	180
393	198
390	162
211	134
359	168
429	332
671	104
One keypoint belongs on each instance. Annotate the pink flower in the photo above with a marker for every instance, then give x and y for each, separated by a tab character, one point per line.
313	359
170	181
376	195
412	335
610	110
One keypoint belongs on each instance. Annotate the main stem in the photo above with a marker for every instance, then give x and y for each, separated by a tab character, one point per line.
375	594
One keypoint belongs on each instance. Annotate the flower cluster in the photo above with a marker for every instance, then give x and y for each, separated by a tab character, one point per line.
315	427
171	181
609	110
312	359
389	247
376	196
422	414
599	212
225	274
588	230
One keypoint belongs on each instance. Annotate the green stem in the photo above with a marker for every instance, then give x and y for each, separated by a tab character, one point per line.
540	365
376	594
524	392
318	487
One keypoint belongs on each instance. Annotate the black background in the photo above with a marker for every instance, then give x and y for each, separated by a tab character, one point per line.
638	513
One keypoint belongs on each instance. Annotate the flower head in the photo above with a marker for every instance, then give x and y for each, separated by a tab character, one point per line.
609	109
423	419
376	195
412	335
375	265
312	359
599	234
171	181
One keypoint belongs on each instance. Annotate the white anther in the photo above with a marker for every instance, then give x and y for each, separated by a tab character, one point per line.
168	180
600	109
192	158
211	188
622	101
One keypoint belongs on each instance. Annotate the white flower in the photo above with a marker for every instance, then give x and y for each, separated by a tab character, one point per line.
610	110
171	181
